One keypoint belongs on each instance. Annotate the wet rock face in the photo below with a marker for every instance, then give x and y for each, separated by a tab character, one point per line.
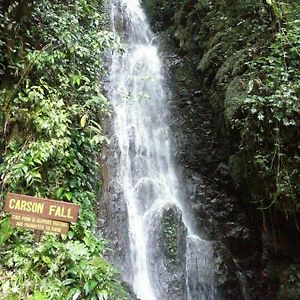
226	273
112	209
218	214
208	187
169	239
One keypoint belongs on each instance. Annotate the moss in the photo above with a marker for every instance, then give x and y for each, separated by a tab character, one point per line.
232	66
170	234
212	57
234	98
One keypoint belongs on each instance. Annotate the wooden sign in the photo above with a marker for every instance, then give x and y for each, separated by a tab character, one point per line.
39	224
40	214
41	208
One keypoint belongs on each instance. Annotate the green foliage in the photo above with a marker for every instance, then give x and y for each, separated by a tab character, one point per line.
6	231
51	108
276	8
200	25
68	269
269	125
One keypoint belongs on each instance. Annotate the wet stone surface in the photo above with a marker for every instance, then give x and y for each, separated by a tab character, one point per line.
207	186
168	252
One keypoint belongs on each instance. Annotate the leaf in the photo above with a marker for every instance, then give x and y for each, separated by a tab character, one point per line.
92	284
250	86
99	263
76	295
37	296
6	285
76	79
83	120
68	281
59	192
70	234
6	231
96	124
69	195
77	250
86	288
47	260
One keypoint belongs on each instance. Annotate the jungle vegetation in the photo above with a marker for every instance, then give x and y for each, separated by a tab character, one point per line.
51	109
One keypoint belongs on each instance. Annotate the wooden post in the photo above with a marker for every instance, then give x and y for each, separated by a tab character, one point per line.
38	235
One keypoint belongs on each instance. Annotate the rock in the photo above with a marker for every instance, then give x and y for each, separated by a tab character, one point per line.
169	239
226	273
112	211
209	188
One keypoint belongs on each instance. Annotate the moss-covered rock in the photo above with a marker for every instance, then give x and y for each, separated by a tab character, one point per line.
234	98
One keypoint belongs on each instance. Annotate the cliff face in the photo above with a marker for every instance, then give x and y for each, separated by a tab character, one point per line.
229	132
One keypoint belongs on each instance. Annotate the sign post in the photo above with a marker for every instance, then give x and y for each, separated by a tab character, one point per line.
40	214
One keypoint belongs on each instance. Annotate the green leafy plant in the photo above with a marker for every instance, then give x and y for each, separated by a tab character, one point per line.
51	109
270	122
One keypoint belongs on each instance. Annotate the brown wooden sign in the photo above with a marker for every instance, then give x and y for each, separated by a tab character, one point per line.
40	224
41	208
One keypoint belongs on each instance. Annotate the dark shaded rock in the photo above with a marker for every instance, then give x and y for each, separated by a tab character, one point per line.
227	279
112	210
209	188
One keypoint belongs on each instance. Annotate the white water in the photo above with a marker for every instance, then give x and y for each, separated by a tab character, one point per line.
145	168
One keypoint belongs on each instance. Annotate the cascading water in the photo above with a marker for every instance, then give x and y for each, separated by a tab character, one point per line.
145	169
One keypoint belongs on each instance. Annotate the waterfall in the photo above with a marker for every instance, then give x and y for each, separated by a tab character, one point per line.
158	225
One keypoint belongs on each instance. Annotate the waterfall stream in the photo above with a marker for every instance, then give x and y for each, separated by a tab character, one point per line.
146	171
